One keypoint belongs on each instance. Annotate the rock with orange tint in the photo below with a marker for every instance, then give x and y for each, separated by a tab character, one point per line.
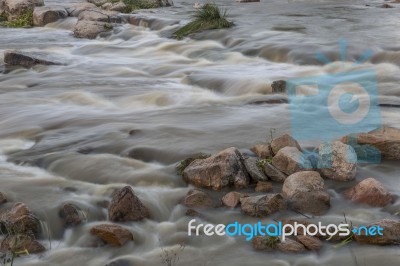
112	234
371	192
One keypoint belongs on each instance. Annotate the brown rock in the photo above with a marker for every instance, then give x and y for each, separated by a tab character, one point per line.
300	230
290	246
306	193
198	199
263	205
391	234
337	161
112	234
3	198
69	213
263	151
90	29
27	59
273	173
282	142
126	206
192	213
100	16
13	9
218	171
310	242
263	186
371	192
232	199
19	243
20	220
278	86
264	242
48	14
290	160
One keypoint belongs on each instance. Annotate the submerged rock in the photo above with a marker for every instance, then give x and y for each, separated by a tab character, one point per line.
18	243
263	151
13	9
27	59
48	14
20	220
278	86
69	213
198	199
232	199
263	205
306	193
290	160
125	206
390	231
371	192
112	234
218	171
282	142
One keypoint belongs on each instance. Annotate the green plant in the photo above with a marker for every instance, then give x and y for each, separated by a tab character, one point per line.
185	163
139	4
209	17
349	238
14	243
261	163
108	26
171	257
271	241
23	21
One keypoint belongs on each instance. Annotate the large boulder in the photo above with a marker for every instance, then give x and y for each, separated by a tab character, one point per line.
232	199
274	173
198	199
91	29
13	9
20	220
371	192
70	214
337	161
112	234
47	14
391	234
21	242
27	59
263	151
290	160
385	139
125	206
282	142
263	205
306	193
218	171
253	169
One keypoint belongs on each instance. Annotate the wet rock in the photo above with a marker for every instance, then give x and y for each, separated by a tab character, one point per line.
263	151
309	242
198	199
264	242
90	29
263	186
126	206
273	173
100	16
232	199
306	193
3	198
13	9
69	213
218	171
386	6
254	171
192	213
290	160
20	243
386	140
27	59
118	7
98	2
337	161
391	234
112	234
75	9
290	246
48	14
371	192
263	205
282	142
278	86
20	220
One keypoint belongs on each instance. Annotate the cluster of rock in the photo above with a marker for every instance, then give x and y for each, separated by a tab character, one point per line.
298	173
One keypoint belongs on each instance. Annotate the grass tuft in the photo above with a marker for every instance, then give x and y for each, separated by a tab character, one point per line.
209	17
24	21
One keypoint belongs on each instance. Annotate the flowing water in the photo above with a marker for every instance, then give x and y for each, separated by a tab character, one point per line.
125	109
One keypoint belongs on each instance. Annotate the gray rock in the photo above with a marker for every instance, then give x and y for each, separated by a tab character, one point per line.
28	59
48	14
263	205
273	173
100	15
75	9
90	29
13	9
253	170
232	199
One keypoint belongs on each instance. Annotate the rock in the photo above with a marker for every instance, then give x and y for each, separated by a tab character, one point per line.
254	171
386	6
309	242
3	198
278	86
263	205
48	14
126	206
391	234
306	193
27	59
264	242
13	9
98	2
232	199
282	142
263	151
290	246
20	220
100	15
263	186
273	173
118	7
75	9
218	171
198	199
386	140
371	192
192	213
247	1
290	160
18	243
90	29
337	161
107	6
112	234
69	213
